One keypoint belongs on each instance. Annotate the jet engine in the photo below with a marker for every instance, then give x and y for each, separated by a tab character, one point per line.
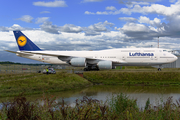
104	65
78	62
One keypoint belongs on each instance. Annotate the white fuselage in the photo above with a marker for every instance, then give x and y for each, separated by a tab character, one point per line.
120	57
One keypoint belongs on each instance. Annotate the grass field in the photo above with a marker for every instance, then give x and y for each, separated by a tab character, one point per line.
135	77
34	83
14	68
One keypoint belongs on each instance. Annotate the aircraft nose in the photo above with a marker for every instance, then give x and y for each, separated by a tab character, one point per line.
175	58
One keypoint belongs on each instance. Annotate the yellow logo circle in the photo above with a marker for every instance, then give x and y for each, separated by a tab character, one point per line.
22	41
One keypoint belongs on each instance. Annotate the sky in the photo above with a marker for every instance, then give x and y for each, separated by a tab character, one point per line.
89	24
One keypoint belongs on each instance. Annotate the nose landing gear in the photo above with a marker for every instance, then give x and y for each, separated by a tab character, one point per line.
159	69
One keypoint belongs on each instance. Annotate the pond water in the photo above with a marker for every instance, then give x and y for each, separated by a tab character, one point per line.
157	95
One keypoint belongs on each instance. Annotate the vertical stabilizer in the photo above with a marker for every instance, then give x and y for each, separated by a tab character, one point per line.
24	43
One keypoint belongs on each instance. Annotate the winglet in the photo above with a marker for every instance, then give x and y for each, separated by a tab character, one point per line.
24	43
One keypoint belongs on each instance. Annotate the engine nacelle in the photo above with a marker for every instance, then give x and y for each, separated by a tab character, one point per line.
78	62
104	65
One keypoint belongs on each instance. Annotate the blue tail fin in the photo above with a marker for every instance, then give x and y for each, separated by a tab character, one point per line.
24	43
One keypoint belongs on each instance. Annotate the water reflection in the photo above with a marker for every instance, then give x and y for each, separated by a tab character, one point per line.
157	95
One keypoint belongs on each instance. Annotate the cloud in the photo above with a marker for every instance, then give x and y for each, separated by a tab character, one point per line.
48	27
70	28
131	4
85	1
45	12
4	29
131	1
153	9
110	8
166	26
26	18
102	13
12	28
56	3
170	27
16	27
92	33
94	29
146	29
156	22
88	13
159	9
91	30
41	20
133	27
106	23
128	19
97	28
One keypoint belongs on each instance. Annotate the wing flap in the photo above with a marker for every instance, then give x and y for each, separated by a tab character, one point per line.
114	61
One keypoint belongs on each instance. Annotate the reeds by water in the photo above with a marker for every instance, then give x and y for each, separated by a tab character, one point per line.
118	107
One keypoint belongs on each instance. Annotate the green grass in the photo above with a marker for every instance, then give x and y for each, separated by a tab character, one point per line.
134	78
34	83
13	84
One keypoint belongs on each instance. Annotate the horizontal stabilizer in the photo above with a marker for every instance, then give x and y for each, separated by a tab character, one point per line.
20	53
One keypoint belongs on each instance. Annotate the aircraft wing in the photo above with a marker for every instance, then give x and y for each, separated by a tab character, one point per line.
47	54
115	61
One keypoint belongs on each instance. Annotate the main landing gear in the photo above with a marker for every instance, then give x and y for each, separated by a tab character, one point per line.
91	68
86	69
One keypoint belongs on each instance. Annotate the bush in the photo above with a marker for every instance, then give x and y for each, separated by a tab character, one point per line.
122	103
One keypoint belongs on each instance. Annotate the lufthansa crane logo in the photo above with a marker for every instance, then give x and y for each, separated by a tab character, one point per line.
22	41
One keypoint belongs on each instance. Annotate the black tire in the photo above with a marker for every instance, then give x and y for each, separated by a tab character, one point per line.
159	69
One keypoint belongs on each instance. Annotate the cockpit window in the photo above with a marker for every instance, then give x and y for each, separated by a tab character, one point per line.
164	50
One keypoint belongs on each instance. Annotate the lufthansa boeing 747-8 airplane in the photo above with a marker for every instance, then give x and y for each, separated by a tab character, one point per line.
103	59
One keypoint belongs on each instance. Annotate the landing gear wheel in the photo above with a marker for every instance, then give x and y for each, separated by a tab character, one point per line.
86	69
159	69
